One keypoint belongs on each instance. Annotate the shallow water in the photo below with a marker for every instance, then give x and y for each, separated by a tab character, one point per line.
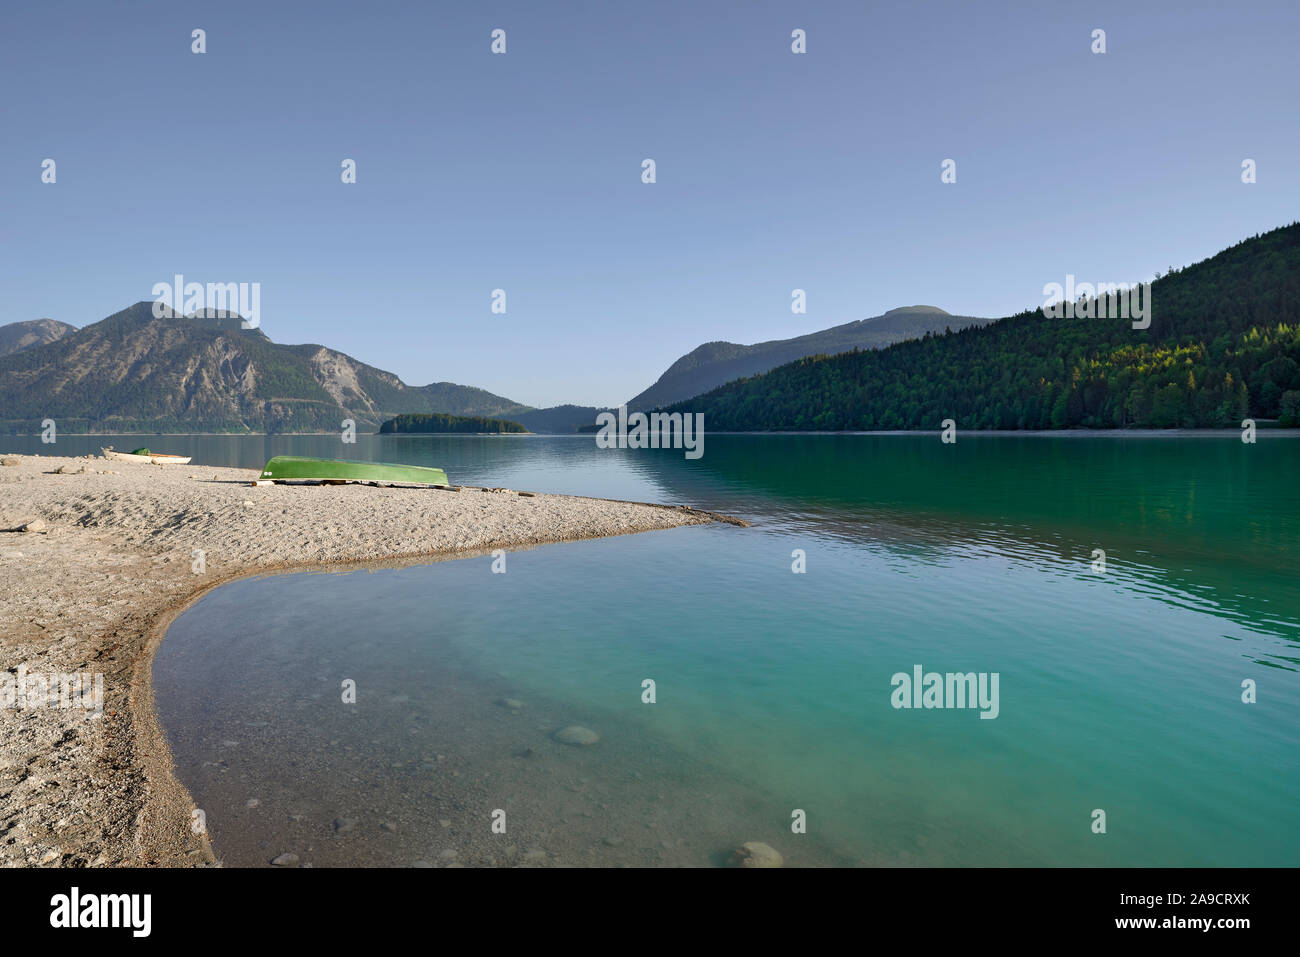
1118	691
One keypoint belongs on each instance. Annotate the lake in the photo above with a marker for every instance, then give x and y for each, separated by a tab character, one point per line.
1119	689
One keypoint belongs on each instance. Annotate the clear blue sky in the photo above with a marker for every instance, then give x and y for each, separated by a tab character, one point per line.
523	171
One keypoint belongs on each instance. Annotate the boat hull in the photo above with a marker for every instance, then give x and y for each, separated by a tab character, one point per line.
157	458
298	468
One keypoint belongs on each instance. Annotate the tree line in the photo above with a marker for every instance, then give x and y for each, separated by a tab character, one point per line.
428	422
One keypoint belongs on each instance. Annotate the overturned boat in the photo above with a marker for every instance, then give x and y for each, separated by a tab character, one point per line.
145	456
300	468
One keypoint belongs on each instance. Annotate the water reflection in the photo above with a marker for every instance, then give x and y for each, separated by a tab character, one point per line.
1205	521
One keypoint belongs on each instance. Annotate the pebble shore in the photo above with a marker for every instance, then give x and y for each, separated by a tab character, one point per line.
97	557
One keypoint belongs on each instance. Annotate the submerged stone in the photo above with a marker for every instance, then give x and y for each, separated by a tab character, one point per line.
577	736
756	854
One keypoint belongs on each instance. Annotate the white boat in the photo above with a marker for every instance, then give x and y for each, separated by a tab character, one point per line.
146	457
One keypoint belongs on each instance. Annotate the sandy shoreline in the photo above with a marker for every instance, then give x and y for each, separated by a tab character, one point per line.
95	589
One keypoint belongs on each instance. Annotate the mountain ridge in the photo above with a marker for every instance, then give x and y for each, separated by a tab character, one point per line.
132	371
712	364
17	336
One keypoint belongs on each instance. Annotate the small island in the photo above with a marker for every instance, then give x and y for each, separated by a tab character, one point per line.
424	423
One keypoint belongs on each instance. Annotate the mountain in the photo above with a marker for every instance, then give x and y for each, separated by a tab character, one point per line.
561	418
1223	345
715	363
466	400
133	372
18	336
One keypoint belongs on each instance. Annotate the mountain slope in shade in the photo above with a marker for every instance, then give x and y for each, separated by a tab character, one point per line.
18	336
133	372
1223	345
563	419
467	400
716	363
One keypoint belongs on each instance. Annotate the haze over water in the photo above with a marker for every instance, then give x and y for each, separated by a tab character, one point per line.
1119	691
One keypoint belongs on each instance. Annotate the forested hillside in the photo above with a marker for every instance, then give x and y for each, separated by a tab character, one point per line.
1223	344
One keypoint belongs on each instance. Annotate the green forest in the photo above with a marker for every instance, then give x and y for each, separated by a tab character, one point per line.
418	423
1223	345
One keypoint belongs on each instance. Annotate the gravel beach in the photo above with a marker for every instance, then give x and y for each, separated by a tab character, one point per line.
111	554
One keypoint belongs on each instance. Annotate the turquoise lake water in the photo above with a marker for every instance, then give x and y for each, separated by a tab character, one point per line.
1119	691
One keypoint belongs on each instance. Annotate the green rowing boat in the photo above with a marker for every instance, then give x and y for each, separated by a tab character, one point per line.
299	468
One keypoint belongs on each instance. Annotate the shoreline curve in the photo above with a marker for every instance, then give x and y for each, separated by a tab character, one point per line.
115	562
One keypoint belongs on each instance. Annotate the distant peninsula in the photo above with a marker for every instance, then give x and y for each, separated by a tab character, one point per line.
424	423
